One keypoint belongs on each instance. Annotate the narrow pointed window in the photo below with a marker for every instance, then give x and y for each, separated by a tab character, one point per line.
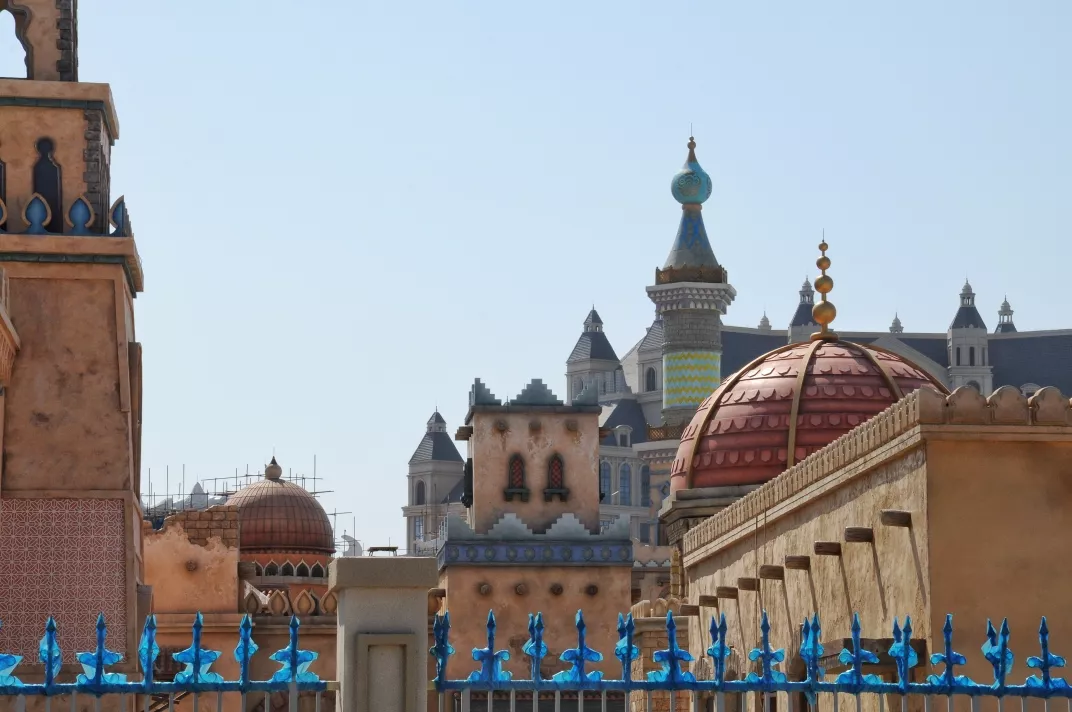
556	480
47	182
515	480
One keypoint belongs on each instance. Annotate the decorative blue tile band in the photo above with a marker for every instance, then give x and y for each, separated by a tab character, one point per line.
542	553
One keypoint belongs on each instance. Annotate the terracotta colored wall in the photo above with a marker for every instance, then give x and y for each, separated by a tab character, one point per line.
491	451
879	581
20	128
469	611
212	585
64	427
1000	516
41	34
270	635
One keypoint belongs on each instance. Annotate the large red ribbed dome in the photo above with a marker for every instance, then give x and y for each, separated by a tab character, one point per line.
742	434
276	515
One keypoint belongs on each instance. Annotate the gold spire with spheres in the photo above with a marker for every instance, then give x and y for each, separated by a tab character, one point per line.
824	311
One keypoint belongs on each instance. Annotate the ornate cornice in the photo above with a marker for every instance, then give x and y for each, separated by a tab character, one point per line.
691	295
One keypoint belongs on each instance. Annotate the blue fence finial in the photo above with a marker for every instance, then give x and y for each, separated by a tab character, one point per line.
719	649
625	651
578	656
1044	663
904	657
856	659
198	660
950	658
148	650
535	648
671	658
490	660
768	658
245	649
8	663
48	652
94	663
996	651
294	661
441	648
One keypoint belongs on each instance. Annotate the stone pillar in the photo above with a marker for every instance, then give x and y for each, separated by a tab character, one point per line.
650	636
382	641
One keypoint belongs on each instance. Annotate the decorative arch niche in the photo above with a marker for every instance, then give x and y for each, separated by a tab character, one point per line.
22	18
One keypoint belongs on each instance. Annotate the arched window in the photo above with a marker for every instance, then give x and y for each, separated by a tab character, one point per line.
650	382
317	571
604	479
418	493
302	570
971	355
556	480
272	569
47	183
287	570
623	439
515	479
625	485
958	355
645	486
258	569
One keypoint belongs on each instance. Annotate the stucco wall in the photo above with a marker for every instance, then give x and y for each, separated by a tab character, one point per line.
1000	517
64	428
491	450
879	581
188	577
469	612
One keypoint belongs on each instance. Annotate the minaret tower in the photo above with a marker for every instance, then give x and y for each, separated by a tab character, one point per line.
691	293
70	363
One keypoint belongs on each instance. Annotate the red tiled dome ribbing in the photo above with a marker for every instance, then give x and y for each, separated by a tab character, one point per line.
276	515
741	433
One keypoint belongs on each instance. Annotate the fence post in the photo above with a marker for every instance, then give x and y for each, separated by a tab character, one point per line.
383	632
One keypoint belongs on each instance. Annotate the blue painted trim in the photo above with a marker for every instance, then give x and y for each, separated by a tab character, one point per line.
599	552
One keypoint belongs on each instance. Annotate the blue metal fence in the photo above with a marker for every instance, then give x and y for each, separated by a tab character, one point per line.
293	676
855	680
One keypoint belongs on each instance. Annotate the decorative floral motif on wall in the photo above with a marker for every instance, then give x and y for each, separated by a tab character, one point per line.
63	558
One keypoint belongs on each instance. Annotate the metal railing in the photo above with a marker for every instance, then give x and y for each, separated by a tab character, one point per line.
195	680
766	682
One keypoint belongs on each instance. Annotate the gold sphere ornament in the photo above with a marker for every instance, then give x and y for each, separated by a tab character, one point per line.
823	263
823	313
824	283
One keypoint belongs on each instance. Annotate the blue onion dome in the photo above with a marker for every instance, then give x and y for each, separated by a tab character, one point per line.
691	185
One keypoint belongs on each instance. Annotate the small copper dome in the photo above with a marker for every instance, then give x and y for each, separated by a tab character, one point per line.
742	434
276	515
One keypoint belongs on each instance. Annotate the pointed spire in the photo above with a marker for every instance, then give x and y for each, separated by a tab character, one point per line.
764	323
895	327
691	259
823	312
592	322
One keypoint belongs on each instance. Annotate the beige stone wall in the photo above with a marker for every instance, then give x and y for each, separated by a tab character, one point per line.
1000	516
192	567
879	581
67	422
536	437
469	612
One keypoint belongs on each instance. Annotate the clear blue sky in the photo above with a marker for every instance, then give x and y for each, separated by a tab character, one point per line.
349	210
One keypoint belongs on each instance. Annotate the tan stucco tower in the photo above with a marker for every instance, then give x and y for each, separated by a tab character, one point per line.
70	365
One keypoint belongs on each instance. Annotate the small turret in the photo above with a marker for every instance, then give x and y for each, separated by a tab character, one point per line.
1005	325
802	323
764	323
895	327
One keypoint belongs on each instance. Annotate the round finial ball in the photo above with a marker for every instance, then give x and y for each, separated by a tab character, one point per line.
823	262
824	283
823	247
823	313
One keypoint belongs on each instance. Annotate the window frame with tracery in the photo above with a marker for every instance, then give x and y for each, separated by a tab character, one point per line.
556	481
515	479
